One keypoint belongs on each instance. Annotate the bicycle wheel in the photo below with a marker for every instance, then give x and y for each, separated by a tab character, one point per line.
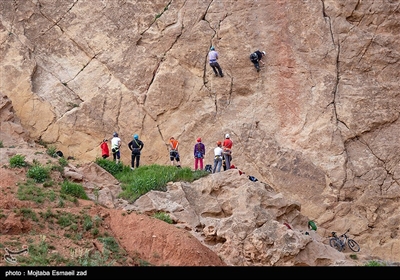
335	243
353	245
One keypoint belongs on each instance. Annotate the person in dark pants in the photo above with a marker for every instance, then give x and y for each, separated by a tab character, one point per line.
227	151
213	60
256	57
218	157
173	152
136	147
115	146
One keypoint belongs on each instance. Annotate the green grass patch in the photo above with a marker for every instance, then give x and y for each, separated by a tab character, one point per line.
109	243
73	189
95	259
17	161
29	191
62	162
137	182
39	255
110	166
163	217
87	223
374	263
52	151
38	173
152	177
49	215
28	214
66	219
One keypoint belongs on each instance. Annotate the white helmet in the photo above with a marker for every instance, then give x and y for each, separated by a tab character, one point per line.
227	136
263	52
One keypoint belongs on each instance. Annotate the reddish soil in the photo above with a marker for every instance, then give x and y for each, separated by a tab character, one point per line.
142	240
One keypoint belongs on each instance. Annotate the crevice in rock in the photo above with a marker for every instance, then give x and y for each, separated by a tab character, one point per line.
230	91
335	86
164	55
218	215
158	16
336	83
164	140
55	23
362	141
214	240
354	19
205	81
81	70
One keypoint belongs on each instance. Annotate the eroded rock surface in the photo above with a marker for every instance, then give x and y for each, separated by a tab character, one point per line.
319	122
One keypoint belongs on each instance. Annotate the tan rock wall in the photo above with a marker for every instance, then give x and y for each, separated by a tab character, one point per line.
319	122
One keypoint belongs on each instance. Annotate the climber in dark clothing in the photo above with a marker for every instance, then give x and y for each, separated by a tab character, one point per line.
256	57
136	147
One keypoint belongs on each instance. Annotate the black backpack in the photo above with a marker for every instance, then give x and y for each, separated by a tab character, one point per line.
208	168
253	56
252	178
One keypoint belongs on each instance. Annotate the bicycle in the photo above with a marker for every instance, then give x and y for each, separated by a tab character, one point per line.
339	242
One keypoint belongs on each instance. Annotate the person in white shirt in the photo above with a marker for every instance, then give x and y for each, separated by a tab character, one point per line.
217	157
115	146
213	60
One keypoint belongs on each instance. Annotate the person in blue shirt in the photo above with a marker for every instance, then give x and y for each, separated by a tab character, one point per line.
213	60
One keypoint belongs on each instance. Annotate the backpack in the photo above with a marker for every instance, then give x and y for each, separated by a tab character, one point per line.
198	151
252	178
312	225
208	168
253	56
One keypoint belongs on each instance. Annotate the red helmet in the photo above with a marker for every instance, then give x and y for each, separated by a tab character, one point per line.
219	143
199	139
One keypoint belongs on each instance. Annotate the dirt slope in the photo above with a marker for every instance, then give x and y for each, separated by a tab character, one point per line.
141	240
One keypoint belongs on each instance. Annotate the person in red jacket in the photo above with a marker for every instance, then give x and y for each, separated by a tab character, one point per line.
105	152
227	147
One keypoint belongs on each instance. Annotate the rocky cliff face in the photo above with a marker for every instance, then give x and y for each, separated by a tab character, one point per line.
319	122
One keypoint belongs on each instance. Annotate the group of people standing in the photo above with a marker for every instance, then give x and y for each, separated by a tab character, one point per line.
136	146
255	58
222	153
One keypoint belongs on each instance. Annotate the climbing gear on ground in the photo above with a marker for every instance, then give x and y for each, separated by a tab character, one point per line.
252	178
